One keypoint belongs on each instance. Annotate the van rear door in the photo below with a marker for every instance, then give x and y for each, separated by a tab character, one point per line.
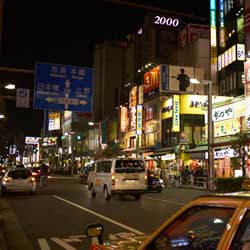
130	174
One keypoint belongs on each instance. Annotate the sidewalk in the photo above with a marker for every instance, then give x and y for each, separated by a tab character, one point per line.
12	236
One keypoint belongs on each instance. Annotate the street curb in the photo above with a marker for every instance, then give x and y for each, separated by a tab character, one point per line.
14	238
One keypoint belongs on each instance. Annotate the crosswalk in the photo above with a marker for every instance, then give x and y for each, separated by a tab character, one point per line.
67	242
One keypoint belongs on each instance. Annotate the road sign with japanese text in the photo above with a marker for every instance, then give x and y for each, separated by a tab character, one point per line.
62	87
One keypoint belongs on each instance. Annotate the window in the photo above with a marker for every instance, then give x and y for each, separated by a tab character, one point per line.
106	166
241	240
99	167
129	166
200	227
16	174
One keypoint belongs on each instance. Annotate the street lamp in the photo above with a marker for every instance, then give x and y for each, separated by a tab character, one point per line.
211	173
10	86
93	124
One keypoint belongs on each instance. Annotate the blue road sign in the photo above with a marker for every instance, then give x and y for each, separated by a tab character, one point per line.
62	87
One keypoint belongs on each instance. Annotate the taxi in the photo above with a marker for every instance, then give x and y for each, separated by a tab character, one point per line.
214	222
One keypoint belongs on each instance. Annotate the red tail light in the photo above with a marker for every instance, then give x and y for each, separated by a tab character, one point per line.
113	179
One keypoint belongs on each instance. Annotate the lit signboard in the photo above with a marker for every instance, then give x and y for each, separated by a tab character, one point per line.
54	121
167	109
223	113
176	114
32	140
166	21
152	82
225	128
241	52
132	120
139	120
124	119
247	92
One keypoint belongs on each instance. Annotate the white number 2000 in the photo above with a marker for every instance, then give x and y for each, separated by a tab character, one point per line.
166	21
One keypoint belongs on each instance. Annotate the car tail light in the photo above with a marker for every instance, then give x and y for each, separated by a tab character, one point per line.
113	179
146	179
6	179
32	179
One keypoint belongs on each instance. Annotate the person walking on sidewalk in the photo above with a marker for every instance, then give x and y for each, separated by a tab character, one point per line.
44	176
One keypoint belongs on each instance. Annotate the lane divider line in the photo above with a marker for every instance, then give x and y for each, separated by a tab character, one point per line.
165	201
100	216
43	244
63	244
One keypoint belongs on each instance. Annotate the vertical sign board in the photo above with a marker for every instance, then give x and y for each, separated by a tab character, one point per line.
139	120
62	87
22	98
247	92
176	114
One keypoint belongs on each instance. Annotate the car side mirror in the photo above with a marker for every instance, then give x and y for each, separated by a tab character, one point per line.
95	231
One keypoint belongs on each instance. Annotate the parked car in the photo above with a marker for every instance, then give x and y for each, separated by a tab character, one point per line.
215	222
18	180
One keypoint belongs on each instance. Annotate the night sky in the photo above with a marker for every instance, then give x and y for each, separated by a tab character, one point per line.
65	32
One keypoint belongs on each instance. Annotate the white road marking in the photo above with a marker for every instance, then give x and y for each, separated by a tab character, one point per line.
100	216
166	201
43	244
63	244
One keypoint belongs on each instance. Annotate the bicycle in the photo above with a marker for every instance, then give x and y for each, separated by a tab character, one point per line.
43	182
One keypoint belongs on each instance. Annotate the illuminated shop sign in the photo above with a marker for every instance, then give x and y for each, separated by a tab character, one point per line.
168	157
67	115
133	96
54	121
166	21
247	92
176	114
124	119
167	109
193	104
229	56
241	52
139	119
152	82
223	113
221	154
133	118
32	140
49	141
227	127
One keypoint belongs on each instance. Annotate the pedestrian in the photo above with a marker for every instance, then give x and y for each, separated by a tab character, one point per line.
44	176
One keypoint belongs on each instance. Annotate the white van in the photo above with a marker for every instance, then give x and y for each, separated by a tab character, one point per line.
118	176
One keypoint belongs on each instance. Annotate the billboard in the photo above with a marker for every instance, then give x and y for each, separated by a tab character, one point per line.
62	87
152	82
54	121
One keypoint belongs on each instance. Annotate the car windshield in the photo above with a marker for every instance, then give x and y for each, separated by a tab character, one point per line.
19	174
129	166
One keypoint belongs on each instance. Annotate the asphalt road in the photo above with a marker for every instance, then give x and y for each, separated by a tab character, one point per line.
56	219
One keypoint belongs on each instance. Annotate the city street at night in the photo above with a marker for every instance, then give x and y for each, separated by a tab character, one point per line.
56	219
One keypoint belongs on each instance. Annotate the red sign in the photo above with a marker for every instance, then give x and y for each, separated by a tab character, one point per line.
152	79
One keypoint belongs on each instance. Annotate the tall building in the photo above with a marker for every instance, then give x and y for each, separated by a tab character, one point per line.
229	28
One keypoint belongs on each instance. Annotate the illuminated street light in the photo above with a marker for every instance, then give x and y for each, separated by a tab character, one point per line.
2	116
10	86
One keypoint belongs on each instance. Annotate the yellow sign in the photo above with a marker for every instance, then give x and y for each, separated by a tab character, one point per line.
167	109
226	127
176	114
193	104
